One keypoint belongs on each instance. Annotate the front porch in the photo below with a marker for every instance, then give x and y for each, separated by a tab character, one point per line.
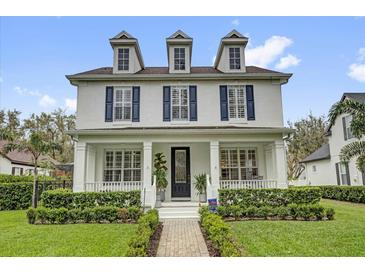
109	164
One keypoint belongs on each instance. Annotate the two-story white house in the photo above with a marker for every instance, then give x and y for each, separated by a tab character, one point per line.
323	167
224	120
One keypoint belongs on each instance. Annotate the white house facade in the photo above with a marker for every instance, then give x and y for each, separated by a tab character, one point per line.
225	121
323	167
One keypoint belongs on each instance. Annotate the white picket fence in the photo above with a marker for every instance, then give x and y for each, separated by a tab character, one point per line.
113	186
251	184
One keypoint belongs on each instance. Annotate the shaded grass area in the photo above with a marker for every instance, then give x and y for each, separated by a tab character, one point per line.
18	238
344	236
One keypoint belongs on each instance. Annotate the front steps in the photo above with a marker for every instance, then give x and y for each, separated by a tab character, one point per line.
181	209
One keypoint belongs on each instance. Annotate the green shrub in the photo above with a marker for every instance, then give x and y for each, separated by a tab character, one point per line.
354	194
140	242
65	198
219	233
269	197
31	215
6	178
330	213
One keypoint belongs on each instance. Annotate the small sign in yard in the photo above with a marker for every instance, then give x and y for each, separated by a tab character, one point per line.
212	204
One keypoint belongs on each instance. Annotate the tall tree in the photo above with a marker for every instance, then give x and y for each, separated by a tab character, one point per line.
9	124
308	136
354	149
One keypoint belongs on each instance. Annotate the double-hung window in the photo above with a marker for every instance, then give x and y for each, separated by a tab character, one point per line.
179	58
236	102
234	58
238	164
123	59
344	176
179	103
348	131
122	103
122	165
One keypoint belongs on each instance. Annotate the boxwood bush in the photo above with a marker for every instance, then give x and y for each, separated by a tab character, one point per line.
6	178
100	214
354	194
64	198
269	197
139	244
219	233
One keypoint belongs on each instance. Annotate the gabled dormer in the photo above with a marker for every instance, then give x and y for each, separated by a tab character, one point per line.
231	53
179	48
127	54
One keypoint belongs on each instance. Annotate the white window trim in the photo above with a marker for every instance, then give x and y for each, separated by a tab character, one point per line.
122	163
174	58
122	121
180	121
349	134
342	171
229	59
129	57
237	119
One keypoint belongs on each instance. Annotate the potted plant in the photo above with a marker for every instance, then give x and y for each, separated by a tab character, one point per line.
159	164
201	186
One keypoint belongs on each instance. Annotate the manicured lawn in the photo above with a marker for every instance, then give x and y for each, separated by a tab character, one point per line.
18	238
344	236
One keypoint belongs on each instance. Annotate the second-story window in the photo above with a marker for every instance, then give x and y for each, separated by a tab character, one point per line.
234	58
179	58
123	59
122	104
179	103
236	102
348	131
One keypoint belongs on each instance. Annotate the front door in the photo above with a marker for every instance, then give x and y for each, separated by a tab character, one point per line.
180	172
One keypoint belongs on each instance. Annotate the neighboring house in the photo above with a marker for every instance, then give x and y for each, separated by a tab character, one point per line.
225	120
323	167
20	162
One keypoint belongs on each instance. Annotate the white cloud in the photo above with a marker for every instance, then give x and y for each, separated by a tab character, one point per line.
357	72
47	101
287	61
70	104
25	91
213	59
235	22
361	53
267	53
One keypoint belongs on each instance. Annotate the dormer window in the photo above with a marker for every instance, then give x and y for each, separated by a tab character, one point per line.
179	58
234	58
123	59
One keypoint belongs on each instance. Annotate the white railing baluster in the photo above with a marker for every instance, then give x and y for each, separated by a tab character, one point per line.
248	184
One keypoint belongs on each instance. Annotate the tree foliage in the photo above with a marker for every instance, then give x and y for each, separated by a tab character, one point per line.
308	136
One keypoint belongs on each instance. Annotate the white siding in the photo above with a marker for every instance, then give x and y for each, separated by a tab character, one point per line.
317	173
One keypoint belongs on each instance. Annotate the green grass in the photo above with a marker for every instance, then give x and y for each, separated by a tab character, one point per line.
18	238
344	236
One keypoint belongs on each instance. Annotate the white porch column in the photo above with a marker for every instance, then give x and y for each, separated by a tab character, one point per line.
280	164
90	164
147	174
214	170
79	167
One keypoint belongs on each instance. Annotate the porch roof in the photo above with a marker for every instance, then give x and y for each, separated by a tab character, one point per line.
180	129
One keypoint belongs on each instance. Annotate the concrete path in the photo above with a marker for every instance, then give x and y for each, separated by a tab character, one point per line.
182	238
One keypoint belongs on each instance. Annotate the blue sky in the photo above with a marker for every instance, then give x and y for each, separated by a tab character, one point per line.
326	54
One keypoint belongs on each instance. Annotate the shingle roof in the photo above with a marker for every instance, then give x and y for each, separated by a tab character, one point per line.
320	154
22	157
165	70
357	96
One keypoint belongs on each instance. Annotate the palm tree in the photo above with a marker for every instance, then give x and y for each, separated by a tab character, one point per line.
355	149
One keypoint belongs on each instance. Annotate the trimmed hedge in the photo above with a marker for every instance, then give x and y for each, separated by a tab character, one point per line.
100	214
6	178
219	233
140	242
355	194
292	212
64	198
269	197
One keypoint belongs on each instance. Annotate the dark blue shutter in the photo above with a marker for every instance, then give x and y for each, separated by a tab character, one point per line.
109	104
135	104
224	102
193	105
344	128
250	103
166	104
338	174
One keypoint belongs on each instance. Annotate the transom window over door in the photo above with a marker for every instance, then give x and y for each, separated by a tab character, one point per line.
122	104
122	165
236	102
234	58
123	59
238	164
179	58
179	103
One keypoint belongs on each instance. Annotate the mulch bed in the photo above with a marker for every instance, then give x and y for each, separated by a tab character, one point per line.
213	252
152	250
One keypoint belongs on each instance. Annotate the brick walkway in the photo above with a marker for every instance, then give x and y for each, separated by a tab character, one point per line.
182	238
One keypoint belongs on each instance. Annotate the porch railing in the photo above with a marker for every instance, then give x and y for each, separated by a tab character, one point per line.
251	184
113	186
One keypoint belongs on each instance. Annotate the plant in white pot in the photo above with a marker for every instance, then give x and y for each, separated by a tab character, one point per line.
159	164
201	186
